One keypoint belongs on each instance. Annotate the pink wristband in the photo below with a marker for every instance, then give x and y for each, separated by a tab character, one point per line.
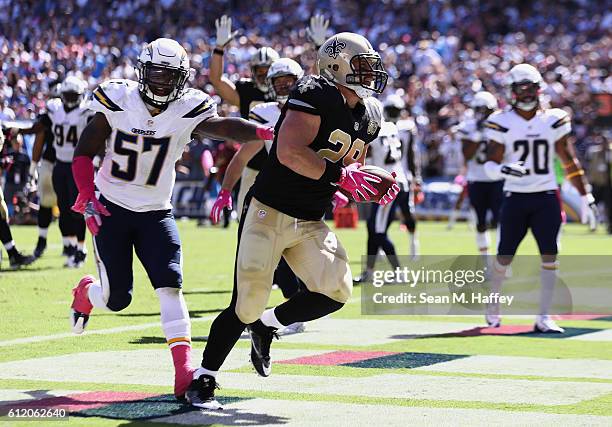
264	133
83	172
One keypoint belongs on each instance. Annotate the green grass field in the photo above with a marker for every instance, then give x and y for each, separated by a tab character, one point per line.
346	369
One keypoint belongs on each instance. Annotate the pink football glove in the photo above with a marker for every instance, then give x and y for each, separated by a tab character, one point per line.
391	193
358	182
86	202
265	133
224	200
339	201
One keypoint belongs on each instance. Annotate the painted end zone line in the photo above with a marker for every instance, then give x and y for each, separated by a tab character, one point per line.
119	329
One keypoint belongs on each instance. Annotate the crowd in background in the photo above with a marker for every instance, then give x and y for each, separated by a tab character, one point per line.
438	53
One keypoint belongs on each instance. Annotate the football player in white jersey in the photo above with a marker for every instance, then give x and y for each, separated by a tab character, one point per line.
523	142
385	152
66	117
485	193
145	126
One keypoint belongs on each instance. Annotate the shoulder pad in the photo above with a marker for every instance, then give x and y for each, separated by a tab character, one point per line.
262	113
405	125
559	117
111	95
466	127
54	105
493	122
197	102
374	109
388	129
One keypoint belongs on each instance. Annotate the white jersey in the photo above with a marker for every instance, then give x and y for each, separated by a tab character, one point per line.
531	142
266	113
469	129
67	127
386	152
138	168
407	133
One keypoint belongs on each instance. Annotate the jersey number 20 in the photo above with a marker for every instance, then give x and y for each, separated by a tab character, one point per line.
129	172
539	148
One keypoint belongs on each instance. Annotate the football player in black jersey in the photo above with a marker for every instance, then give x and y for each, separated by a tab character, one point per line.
245	93
321	139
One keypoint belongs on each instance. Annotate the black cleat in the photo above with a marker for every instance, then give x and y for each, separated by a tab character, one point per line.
261	339
20	260
364	277
41	245
68	250
201	393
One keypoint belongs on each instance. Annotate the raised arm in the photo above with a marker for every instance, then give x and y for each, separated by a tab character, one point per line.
223	86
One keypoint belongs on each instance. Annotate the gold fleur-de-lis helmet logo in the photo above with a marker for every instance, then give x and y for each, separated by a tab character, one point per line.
333	49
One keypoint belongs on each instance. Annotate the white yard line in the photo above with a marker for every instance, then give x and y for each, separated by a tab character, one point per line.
116	330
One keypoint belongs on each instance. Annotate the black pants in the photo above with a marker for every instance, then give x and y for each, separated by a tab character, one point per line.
70	222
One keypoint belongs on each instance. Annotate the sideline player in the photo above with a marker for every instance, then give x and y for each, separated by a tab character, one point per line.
66	117
147	125
484	193
526	138
322	138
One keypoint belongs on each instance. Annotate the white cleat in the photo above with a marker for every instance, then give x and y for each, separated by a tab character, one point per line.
493	320
294	328
546	325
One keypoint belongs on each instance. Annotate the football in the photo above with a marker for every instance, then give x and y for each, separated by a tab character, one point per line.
387	180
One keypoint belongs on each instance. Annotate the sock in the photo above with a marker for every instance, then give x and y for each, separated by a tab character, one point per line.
72	241
548	279
268	318
452	218
81	247
203	371
497	280
9	245
96	296
66	241
5	232
414	244
306	306
483	241
44	217
177	329
224	333
42	232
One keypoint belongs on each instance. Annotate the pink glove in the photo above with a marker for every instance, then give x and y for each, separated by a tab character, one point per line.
86	202
358	182
224	200
391	193
265	133
339	201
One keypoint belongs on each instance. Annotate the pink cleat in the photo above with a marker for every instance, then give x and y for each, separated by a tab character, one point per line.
182	380
81	306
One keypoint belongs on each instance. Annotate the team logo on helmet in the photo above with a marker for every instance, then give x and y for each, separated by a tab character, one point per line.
334	48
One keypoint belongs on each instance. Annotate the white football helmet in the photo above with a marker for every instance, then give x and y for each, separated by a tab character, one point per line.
350	60
162	70
283	67
525	82
483	104
261	60
393	106
71	91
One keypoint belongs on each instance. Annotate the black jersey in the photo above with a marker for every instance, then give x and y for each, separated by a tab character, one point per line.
342	138
250	95
48	152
